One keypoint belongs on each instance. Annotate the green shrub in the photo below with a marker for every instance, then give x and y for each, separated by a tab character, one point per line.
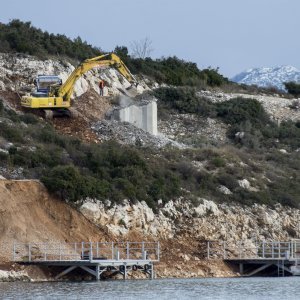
184	100
293	88
3	156
29	118
227	180
240	110
218	162
69	184
11	133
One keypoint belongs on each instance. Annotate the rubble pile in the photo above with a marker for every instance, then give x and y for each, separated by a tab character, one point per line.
126	133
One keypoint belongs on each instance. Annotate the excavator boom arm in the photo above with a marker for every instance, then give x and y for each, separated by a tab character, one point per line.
107	60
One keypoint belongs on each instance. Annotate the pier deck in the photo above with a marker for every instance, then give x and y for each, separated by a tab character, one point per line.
269	258
92	257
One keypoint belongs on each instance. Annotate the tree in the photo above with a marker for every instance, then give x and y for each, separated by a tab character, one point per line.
141	48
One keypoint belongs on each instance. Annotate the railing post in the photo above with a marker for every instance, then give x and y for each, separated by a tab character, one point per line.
29	252
91	251
45	252
112	250
143	248
145	255
208	250
158	251
14	251
263	248
279	254
97	249
127	250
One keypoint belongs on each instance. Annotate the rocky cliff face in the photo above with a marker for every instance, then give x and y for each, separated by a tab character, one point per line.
183	229
204	220
18	71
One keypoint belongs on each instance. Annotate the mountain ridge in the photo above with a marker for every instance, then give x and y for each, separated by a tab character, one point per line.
268	76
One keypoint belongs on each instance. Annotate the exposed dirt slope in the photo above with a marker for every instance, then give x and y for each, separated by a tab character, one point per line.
29	214
91	107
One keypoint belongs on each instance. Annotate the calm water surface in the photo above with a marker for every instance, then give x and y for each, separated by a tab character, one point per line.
211	288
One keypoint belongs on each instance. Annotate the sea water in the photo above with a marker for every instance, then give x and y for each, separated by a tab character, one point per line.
204	288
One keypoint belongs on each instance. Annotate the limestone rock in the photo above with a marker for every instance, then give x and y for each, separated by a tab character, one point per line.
244	183
91	211
225	190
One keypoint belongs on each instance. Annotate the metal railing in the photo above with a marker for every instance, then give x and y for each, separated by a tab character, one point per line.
257	250
29	252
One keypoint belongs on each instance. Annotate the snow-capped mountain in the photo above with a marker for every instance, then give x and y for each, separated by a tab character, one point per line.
266	77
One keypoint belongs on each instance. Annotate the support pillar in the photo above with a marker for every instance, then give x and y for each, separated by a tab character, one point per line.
97	272
241	268
152	272
125	272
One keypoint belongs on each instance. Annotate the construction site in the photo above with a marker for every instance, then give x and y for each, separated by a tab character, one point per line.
145	173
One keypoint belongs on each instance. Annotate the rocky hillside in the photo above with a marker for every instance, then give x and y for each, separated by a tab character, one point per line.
269	77
18	71
225	166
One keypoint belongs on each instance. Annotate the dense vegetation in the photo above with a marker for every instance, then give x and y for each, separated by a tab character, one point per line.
74	170
244	115
18	36
293	88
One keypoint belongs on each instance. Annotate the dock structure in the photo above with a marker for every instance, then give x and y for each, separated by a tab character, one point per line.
94	258
261	257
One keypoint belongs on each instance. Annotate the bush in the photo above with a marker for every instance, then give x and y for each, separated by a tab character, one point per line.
240	110
218	162
184	100
65	181
293	88
11	133
29	118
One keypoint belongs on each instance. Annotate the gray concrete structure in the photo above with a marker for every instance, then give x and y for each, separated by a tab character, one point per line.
142	115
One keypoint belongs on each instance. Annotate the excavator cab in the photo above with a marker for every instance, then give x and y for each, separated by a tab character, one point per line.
44	83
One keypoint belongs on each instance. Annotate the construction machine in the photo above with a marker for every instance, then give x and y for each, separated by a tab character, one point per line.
54	97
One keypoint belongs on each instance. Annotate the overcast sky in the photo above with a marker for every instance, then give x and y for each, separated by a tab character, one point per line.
233	35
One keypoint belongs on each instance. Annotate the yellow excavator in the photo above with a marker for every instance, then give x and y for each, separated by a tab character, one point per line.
54	97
